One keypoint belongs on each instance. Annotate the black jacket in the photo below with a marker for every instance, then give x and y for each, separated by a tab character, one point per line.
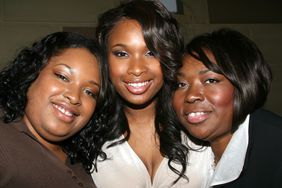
263	163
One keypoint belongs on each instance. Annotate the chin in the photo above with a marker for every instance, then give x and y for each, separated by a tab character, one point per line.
202	135
59	136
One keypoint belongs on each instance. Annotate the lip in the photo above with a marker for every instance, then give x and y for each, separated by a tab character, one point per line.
138	87
64	112
197	116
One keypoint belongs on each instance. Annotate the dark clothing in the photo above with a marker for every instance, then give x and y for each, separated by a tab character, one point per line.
26	163
263	162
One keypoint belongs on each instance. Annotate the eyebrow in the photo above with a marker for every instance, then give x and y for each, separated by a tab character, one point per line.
119	45
179	74
204	71
182	74
65	65
94	83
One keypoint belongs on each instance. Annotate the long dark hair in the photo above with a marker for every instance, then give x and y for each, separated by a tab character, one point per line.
16	78
162	37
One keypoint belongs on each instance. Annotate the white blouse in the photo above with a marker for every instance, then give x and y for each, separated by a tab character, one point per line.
125	169
231	163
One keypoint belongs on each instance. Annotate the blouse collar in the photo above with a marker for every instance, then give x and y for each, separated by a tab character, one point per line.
232	161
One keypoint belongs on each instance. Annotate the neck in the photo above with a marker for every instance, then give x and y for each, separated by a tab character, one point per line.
53	147
57	151
141	117
219	145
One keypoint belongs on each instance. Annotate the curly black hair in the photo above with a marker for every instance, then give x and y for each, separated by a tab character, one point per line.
162	37
16	78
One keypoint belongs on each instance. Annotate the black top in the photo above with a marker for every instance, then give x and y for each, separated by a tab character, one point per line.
263	163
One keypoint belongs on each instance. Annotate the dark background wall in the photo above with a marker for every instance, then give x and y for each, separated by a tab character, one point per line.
23	21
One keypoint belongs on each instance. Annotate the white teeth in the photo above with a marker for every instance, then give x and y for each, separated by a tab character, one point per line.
139	84
63	110
194	114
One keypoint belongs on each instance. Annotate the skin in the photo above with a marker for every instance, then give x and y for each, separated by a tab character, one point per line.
203	102
131	63
137	76
63	97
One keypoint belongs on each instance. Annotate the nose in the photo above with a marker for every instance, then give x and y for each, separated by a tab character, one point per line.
72	94
137	66
194	93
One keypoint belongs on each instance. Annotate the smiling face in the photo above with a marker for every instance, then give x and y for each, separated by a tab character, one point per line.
203	101
63	97
134	70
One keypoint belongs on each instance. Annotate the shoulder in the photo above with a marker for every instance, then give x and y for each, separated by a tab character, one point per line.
8	136
264	114
265	119
264	151
6	131
265	130
12	138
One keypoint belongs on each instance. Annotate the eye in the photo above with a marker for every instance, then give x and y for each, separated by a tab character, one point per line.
62	77
180	85
149	53
120	53
91	93
211	81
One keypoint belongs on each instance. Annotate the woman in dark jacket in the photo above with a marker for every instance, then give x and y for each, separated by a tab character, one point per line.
221	86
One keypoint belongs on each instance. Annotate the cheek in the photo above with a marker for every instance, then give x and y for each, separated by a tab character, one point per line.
223	101
116	70
92	108
86	113
157	73
155	66
88	108
44	85
177	102
35	106
35	93
114	73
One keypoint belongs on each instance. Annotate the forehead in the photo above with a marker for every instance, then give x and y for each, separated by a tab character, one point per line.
76	60
190	63
189	59
125	28
74	56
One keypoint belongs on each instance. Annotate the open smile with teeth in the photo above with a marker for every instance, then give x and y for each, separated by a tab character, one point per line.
138	84
194	114
63	110
197	117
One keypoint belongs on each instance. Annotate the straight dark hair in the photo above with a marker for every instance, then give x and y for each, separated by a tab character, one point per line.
240	60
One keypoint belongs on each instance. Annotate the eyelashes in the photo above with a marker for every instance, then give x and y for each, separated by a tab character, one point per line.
121	53
87	91
62	77
209	81
149	53
91	93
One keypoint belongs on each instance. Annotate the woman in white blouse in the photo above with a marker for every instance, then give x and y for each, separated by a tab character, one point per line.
141	146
